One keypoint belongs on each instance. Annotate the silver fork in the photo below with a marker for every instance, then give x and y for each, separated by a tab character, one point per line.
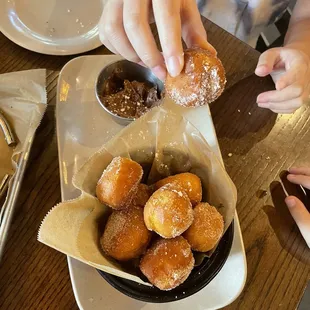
11	142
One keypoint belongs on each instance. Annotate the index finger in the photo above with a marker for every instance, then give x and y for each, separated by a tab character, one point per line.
168	20
136	24
267	61
299	170
299	179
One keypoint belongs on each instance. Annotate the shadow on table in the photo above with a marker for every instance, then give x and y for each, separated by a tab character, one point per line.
239	122
281	220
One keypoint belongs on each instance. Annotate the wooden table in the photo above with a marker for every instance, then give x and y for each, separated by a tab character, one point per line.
34	276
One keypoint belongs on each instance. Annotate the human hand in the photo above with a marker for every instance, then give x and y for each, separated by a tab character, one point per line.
124	29
290	70
300	176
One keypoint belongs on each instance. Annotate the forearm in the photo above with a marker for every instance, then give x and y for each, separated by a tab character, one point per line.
298	34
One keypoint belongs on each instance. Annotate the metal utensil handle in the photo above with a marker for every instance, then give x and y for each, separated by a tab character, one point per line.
12	194
4	184
7	131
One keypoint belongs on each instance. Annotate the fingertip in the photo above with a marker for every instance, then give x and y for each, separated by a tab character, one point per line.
291	169
293	203
266	62
263	70
261	98
291	177
300	170
175	65
290	201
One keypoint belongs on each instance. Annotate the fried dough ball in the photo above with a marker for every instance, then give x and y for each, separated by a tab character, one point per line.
189	182
143	194
168	212
201	81
168	263
207	228
119	183
125	236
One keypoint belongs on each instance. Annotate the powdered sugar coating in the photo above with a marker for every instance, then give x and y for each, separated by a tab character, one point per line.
201	82
125	236
119	182
189	182
168	263
168	212
143	194
207	228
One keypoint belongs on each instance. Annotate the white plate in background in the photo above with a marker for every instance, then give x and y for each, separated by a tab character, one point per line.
54	27
79	116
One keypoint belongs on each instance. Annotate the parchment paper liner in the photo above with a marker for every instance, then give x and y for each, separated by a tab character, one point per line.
23	102
163	140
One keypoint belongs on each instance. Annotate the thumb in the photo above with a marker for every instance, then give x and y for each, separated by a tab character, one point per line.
301	216
267	61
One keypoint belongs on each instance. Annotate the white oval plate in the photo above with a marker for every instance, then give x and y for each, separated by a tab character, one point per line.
53	27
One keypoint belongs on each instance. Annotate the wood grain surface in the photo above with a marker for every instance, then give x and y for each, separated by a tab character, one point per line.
256	145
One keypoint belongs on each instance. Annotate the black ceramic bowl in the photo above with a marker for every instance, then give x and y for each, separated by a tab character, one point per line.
198	279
